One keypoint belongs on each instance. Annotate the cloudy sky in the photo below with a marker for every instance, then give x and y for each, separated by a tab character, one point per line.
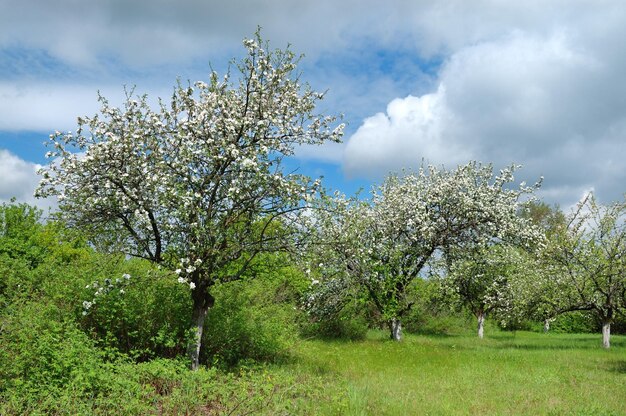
535	82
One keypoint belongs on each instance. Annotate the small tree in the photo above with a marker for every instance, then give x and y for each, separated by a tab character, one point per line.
588	259
383	245
481	279
196	185
538	294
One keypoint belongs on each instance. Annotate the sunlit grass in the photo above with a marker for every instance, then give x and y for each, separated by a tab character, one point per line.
505	373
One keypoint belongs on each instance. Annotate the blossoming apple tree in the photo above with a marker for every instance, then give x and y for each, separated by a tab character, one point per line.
382	245
588	262
196	184
483	280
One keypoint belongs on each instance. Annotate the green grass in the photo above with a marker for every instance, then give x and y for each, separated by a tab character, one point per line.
505	373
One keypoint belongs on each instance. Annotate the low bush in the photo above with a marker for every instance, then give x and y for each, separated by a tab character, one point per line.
343	326
247	324
574	322
137	309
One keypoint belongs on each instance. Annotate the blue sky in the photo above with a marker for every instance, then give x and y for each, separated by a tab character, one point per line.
536	83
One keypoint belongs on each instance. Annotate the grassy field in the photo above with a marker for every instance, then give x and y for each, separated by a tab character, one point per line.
505	373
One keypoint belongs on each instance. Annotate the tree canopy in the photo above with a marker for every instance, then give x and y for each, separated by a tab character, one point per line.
383	244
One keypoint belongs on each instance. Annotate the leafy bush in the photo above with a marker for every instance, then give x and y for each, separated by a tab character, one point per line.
619	325
49	366
349	324
438	322
574	322
44	358
246	323
433	314
138	310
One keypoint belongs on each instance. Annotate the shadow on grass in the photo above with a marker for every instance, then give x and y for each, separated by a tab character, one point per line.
619	367
552	342
544	347
439	335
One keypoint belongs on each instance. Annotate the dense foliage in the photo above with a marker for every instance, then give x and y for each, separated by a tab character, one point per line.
125	352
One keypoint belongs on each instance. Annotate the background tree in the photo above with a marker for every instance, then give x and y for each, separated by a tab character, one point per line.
481	278
197	184
20	228
549	217
337	256
539	293
587	257
540	289
413	219
502	278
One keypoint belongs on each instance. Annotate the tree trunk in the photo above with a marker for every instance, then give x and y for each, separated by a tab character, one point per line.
606	334
481	324
201	305
546	325
396	329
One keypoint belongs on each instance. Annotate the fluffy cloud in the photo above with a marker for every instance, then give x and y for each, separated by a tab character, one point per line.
46	106
552	102
148	32
535	82
410	130
18	180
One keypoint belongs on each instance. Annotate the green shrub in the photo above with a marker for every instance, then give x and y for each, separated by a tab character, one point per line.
349	324
138	310
439	323
246	324
47	364
574	322
15	280
619	325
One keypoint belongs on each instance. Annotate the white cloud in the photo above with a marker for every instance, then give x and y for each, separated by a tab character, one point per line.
410	130
49	106
535	82
147	32
550	102
43	107
18	179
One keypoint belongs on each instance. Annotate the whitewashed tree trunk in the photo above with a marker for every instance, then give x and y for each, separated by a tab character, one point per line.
546	325
202	302
396	329
606	334
196	343
481	324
